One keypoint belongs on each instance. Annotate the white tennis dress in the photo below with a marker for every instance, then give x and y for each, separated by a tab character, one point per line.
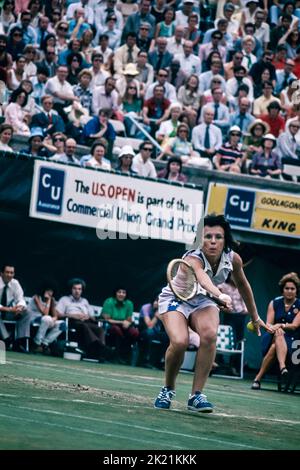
167	302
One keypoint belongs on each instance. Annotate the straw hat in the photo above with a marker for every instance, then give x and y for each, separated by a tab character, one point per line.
265	126
130	69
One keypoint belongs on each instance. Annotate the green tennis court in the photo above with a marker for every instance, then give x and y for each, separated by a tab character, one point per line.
51	403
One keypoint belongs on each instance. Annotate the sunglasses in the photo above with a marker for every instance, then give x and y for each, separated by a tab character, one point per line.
235	133
63	29
17	34
58	139
131	88
162	75
147	149
183	130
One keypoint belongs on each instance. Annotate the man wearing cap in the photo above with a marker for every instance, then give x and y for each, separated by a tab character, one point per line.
142	163
229	156
182	16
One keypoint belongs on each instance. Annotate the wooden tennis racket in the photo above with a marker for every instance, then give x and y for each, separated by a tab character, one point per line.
184	284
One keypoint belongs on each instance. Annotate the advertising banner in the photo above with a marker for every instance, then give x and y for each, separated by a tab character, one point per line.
115	204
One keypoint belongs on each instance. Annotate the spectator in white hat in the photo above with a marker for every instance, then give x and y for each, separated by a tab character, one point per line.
229	155
125	160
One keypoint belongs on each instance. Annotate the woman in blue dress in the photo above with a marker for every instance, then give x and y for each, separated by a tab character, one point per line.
283	316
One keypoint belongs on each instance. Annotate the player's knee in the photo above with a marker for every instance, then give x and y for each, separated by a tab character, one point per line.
180	344
208	337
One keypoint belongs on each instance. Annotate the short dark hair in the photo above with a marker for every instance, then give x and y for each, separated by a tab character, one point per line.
211	220
76	280
290	277
274	105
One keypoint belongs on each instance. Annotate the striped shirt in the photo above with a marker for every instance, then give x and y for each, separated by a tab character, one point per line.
229	154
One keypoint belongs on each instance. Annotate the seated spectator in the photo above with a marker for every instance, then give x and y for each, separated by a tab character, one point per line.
260	105
146	73
274	120
168	129
48	120
83	90
39	83
253	142
160	57
97	159
41	309
99	74
13	307
37	147
99	127
128	76
87	48
166	28
69	154
15	114
131	106
221	111
142	163
7	17
17	73
106	97
173	171
242	117
206	137
61	29
125	158
126	54
283	316
59	144
6	133
143	40
117	311
229	156
151	329
267	162
15	43
30	107
61	91
286	97
156	109
111	30
189	98
80	314
258	87
74	63
287	145
180	146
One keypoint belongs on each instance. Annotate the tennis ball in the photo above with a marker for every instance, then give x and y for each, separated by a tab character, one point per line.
250	327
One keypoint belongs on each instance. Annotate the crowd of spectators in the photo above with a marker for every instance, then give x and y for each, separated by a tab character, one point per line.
199	77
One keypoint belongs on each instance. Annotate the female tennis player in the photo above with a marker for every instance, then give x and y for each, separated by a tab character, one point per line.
212	263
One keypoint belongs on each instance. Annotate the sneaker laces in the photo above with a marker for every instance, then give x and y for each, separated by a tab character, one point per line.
166	395
199	398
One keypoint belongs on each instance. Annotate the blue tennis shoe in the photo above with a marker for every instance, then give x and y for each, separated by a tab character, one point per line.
198	402
163	400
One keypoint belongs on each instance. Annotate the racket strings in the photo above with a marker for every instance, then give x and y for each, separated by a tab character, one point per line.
183	281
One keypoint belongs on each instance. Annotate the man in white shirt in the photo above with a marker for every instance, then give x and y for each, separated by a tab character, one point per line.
207	138
175	43
189	62
13	306
162	79
61	91
142	163
88	11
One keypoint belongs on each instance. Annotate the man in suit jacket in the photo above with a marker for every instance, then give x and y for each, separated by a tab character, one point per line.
160	58
48	119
